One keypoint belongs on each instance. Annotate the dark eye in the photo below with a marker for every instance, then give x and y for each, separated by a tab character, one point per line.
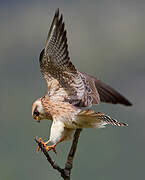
36	113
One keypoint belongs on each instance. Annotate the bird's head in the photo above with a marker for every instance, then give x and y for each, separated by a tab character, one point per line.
38	111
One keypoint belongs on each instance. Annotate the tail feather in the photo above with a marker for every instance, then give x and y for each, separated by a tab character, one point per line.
109	120
93	119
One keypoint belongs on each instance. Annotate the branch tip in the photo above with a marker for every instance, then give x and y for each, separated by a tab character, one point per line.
66	172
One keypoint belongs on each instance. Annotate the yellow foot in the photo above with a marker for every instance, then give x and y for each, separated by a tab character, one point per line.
52	147
48	148
43	143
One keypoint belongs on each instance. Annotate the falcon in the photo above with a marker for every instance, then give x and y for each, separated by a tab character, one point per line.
70	92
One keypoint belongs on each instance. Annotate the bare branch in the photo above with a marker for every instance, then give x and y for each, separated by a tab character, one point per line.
50	160
66	172
69	162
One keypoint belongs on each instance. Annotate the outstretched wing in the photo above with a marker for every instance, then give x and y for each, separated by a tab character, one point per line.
64	81
55	63
106	93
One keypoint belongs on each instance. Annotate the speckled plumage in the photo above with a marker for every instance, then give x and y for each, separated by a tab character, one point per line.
66	118
70	90
80	89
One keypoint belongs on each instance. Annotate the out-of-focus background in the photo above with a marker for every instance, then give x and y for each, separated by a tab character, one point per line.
107	39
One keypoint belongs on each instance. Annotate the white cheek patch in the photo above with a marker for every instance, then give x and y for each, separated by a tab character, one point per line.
40	108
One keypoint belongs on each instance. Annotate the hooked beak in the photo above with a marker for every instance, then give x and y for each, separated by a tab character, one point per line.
37	118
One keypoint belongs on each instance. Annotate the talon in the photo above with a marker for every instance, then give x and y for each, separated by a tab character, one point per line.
52	147
43	143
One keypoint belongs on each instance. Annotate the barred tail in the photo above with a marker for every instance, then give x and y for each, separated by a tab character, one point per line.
109	120
92	119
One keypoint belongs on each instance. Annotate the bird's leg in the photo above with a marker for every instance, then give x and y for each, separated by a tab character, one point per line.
42	142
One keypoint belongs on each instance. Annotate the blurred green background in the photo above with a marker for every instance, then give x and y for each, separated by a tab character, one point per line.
107	39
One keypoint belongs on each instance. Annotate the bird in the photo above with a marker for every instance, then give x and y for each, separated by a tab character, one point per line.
71	93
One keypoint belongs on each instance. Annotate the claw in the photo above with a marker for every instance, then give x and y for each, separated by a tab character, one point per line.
52	147
48	148
43	143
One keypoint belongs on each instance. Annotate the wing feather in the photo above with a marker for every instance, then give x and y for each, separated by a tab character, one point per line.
79	89
55	62
107	93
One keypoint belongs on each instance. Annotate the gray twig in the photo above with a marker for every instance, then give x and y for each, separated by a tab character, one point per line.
65	172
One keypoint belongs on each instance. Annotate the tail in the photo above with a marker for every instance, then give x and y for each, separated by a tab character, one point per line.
90	117
109	120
